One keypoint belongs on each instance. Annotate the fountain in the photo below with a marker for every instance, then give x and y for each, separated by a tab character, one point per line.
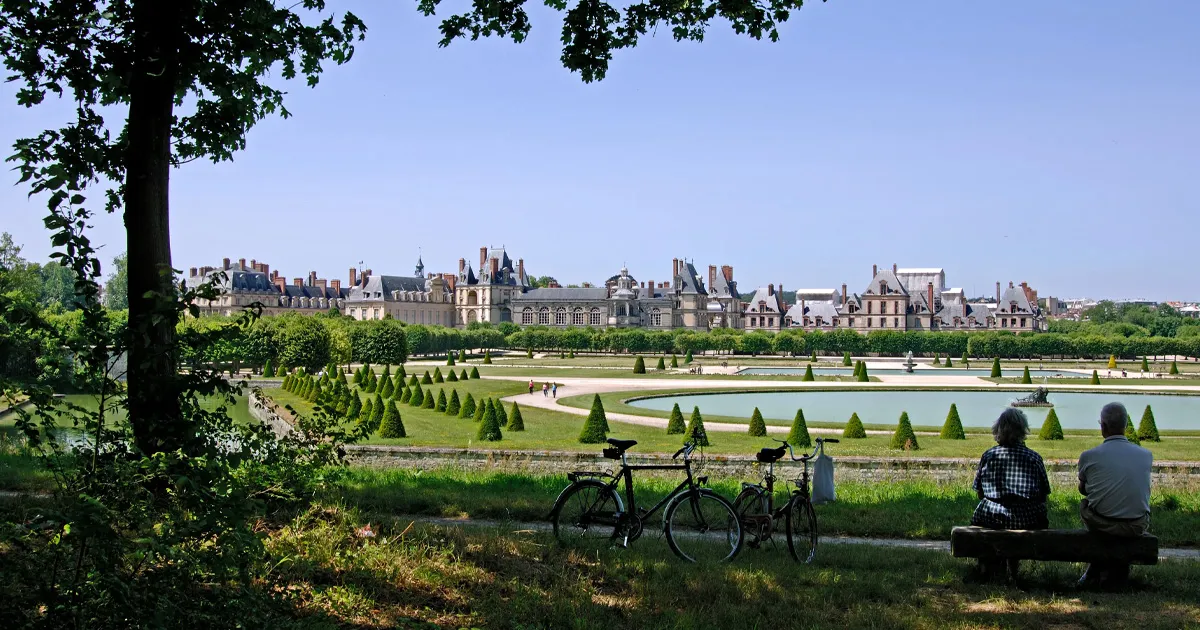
1039	398
908	362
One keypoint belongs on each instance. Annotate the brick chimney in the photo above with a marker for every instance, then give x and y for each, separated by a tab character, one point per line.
353	277
450	279
265	268
298	281
241	263
482	257
650	283
874	271
312	278
771	288
997	292
520	268
225	264
366	274
280	282
274	274
782	304
254	264
727	271
192	271
930	289
844	298
674	267
552	285
495	269
336	285
321	283
712	275
893	267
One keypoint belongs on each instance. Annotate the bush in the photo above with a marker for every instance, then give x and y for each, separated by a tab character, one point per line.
813	358
953	428
437	375
426	379
387	372
462	356
1112	361
413	381
674	361
937	359
468	407
1051	428
268	369
400	373
595	427
904	438
364	416
515	421
406	395
688	357
846	359
639	366
808	374
428	401
453	406
487	357
662	364
480	410
451	377
377	410
489	425
996	373
391	426
1095	378
450	360
862	373
562	355
1147	428
798	436
1145	365
474	372
854	428
966	359
675	425
388	389
1131	433
441	401
355	408
528	353
1174	371
949	361
418	396
695	430
1025	380
501	416
758	428
571	354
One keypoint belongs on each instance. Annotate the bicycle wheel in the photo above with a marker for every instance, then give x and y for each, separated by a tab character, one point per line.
751	508
587	514
801	529
703	527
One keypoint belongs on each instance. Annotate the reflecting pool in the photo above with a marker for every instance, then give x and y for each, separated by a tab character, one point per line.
929	408
845	371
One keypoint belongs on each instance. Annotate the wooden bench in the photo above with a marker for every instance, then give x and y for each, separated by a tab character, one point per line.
1061	545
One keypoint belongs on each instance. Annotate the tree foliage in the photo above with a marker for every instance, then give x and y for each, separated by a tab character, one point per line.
904	438
1148	428
798	436
854	428
1051	428
758	427
516	422
391	426
489	426
695	430
953	428
595	428
675	425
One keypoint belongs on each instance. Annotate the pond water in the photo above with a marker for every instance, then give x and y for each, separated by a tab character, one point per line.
845	371
239	411
929	408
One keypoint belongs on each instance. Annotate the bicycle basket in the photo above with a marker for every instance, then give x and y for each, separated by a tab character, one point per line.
612	453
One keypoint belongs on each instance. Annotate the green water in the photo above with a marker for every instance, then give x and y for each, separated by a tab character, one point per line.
239	410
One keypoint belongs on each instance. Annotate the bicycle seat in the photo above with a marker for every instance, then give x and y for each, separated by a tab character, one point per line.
771	455
623	445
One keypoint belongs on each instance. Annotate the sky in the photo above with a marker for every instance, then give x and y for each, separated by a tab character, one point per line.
1055	143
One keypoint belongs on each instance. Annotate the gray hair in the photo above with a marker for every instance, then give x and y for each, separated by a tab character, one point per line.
1011	427
1113	418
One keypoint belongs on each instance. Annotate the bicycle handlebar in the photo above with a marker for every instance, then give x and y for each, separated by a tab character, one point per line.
792	452
686	451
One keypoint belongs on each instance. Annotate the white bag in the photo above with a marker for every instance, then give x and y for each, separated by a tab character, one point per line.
822	489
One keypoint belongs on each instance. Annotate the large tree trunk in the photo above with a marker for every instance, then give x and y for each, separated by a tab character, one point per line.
154	410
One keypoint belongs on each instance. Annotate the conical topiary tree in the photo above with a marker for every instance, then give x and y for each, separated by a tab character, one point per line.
388	388
462	376
368	410
639	366
480	410
268	368
474	372
1095	378
354	408
662	364
454	405
1174	371
808	374
413	381
391	426
1145	365
757	428
487	357
1112	361
377	410
953	429
528	353
695	429
996	373
451	377
687	358
501	415
813	358
441	401
437	375
1147	428
287	383
1025	380
862	373
966	359
676	425
674	361
571	354
462	355
426	379
904	438
854	428
846	359
516	422
799	436
387	372
428	401
594	428
400	373
949	361
562	355
450	360
468	407
1051	428
405	396
359	375
937	359
489	425
418	396
1130	432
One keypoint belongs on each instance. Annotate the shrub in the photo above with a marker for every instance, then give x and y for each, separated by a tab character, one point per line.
453	406
798	436
758	428
489	425
426	379
400	373
462	356
528	353
862	373
1145	365
441	401
695	430
953	428
571	354
937	359
372	383
808	374
662	364
428	401
1095	378
418	396
474	372
406	395
359	375
391	426
451	377
1025	380
596	426
966	360
1174	371
480	409
1051	428
854	428
562	355
268	368
1147	428
904	438
287	383
377	410
813	357
387	372
355	408
487	357
674	361
846	359
437	375
675	425
1130	432
468	407
462	376
996	373
368	409
949	361
687	358
450	360
413	381
639	366
1112	361
388	388
515	421
501	416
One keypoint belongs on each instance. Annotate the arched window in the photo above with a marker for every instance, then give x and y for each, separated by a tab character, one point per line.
527	315
578	318
595	317
560	317
544	316
655	317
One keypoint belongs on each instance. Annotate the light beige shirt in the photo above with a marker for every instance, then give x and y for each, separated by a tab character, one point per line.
1116	478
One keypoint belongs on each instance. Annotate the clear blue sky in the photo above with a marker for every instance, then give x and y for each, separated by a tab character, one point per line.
1051	142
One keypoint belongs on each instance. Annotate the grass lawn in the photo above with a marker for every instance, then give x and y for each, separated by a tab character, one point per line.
1165	382
651	374
914	508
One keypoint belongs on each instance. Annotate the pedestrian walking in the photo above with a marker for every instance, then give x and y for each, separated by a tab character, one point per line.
545	388
554	389
530	387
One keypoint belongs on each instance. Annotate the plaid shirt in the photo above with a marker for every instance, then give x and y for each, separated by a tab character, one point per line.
1013	482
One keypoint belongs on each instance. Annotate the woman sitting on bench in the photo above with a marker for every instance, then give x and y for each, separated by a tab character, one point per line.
1011	484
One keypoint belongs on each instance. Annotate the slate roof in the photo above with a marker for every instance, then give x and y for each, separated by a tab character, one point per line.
689	279
237	278
723	288
563	294
773	305
380	287
1017	295
894	286
827	311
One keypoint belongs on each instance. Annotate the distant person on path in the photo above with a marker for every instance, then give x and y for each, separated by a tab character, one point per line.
1011	484
545	388
554	390
530	387
1114	479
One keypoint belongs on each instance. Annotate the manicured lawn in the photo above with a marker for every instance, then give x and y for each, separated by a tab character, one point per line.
1165	382
651	374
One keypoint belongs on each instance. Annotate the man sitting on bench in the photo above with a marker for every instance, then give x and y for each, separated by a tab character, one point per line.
1114	479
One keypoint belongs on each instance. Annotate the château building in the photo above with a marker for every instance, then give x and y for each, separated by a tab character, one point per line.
417	299
486	296
243	285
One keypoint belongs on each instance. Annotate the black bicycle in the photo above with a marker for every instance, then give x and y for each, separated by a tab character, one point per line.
755	505
700	525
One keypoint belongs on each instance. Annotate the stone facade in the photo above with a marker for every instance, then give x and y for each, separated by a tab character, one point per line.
621	303
243	285
486	296
418	299
766	311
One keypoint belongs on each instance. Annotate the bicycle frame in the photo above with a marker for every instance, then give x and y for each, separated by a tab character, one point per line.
767	487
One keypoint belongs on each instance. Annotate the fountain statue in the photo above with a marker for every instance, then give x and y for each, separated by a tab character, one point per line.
908	362
1039	398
